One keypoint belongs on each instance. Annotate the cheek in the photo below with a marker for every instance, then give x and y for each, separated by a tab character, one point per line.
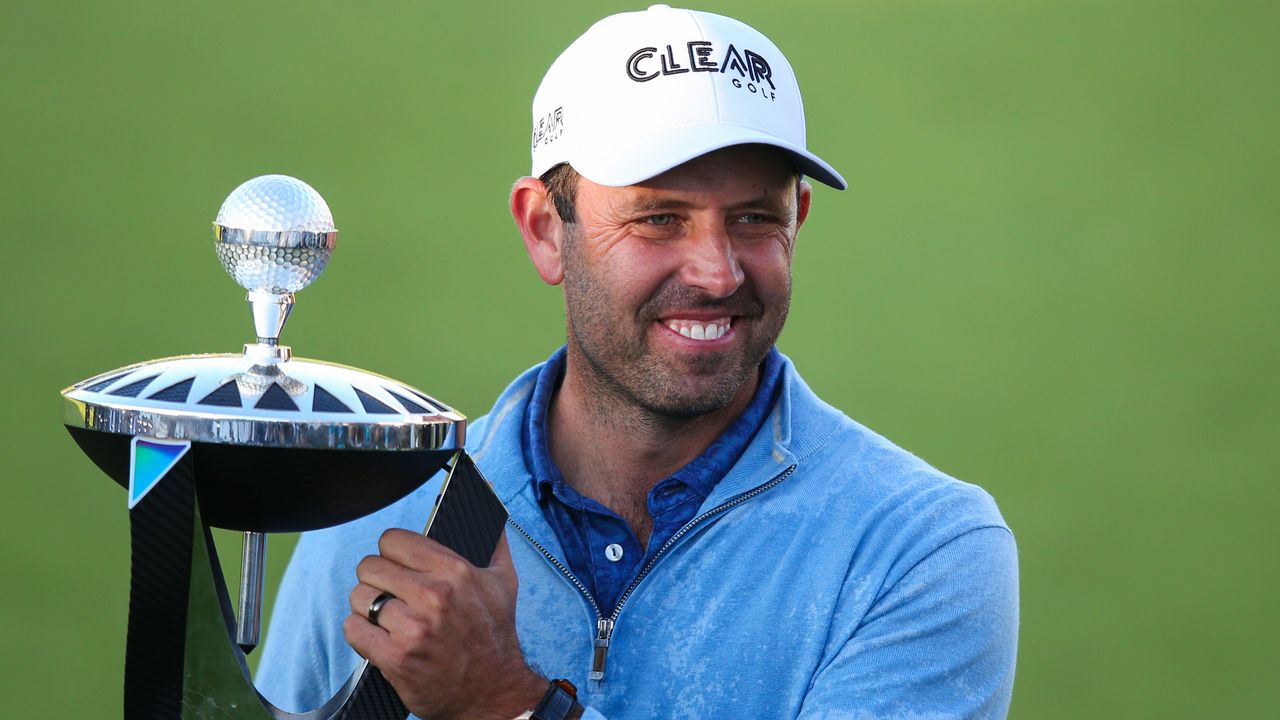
613	283
769	267
635	272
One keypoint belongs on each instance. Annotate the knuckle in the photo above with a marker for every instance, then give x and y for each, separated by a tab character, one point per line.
447	590
455	565
433	596
417	634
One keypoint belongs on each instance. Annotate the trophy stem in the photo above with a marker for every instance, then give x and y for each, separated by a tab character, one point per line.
252	566
270	313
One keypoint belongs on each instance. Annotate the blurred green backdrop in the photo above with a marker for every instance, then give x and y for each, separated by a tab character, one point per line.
1053	275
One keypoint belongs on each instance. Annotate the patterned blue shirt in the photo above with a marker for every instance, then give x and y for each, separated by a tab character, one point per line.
599	547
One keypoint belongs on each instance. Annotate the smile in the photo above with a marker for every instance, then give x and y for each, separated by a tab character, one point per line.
700	329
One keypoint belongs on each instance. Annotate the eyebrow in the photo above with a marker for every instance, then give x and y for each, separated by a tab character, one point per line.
650	203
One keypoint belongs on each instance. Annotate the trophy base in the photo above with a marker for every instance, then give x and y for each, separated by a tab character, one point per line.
273	489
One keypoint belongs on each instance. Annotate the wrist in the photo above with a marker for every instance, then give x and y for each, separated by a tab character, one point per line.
512	698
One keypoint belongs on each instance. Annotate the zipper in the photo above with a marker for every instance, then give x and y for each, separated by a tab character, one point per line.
560	566
600	653
604	625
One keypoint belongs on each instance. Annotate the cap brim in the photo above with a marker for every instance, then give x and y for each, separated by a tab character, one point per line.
638	159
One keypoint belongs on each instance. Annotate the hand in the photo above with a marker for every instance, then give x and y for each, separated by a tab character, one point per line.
447	641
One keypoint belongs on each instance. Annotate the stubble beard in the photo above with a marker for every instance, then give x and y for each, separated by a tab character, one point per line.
624	376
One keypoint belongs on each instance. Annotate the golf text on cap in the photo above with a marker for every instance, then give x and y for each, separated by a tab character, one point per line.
648	63
549	128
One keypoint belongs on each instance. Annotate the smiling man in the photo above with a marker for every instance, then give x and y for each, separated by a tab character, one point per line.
693	532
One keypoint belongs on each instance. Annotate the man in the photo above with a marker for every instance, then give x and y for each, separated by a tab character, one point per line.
693	533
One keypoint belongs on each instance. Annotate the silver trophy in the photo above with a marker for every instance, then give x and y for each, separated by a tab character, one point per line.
259	442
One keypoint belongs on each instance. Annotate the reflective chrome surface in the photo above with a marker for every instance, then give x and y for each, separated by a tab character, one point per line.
231	400
270	313
267	352
276	238
253	562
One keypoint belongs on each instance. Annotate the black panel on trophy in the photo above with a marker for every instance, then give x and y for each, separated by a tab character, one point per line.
176	392
374	405
102	384
226	396
430	402
133	388
324	401
275	398
409	405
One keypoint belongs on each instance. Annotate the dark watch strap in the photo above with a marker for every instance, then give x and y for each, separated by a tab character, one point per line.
558	703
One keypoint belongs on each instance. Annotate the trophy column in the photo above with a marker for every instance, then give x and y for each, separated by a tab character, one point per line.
260	442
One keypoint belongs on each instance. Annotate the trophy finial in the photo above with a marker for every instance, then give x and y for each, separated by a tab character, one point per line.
274	235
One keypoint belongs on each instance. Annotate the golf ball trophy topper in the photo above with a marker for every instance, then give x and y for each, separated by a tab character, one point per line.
260	442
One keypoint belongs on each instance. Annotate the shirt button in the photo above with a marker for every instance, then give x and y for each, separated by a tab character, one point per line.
613	552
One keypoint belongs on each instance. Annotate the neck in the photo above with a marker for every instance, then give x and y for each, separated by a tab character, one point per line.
614	451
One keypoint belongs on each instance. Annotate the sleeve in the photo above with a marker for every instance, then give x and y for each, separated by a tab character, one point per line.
940	642
305	658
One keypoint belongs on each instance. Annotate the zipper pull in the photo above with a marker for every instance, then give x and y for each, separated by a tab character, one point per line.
604	631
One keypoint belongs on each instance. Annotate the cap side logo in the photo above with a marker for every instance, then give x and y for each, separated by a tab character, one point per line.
747	69
549	128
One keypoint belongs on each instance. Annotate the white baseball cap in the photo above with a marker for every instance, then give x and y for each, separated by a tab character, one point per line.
642	92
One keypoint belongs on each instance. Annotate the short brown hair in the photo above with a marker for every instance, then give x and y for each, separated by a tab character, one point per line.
562	185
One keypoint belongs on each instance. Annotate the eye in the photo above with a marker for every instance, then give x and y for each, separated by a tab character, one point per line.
754	219
663	219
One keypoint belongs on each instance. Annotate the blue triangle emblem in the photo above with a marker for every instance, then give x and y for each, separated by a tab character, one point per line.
150	460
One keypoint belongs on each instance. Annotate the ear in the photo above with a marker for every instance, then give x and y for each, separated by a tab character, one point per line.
540	226
806	196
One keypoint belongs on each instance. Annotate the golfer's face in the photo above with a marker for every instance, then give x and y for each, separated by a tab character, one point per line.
676	288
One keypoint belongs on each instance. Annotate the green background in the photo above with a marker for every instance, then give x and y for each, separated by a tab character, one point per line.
1053	274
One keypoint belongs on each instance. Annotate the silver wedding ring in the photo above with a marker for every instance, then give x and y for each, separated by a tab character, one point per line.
375	607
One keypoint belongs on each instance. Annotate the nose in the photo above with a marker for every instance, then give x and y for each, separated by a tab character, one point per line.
711	264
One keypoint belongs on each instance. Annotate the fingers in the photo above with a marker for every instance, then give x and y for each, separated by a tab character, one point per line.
425	592
364	637
425	579
361	600
418	552
380	574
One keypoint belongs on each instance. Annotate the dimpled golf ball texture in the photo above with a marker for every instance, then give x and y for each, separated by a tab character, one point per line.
272	269
274	203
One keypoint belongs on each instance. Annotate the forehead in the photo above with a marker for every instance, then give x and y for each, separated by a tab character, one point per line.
736	174
760	164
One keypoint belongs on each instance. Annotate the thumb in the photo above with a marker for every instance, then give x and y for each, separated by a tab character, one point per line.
501	562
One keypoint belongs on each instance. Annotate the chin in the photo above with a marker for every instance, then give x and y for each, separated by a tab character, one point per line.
690	397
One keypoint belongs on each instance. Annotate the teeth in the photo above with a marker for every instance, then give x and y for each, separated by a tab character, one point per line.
700	331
